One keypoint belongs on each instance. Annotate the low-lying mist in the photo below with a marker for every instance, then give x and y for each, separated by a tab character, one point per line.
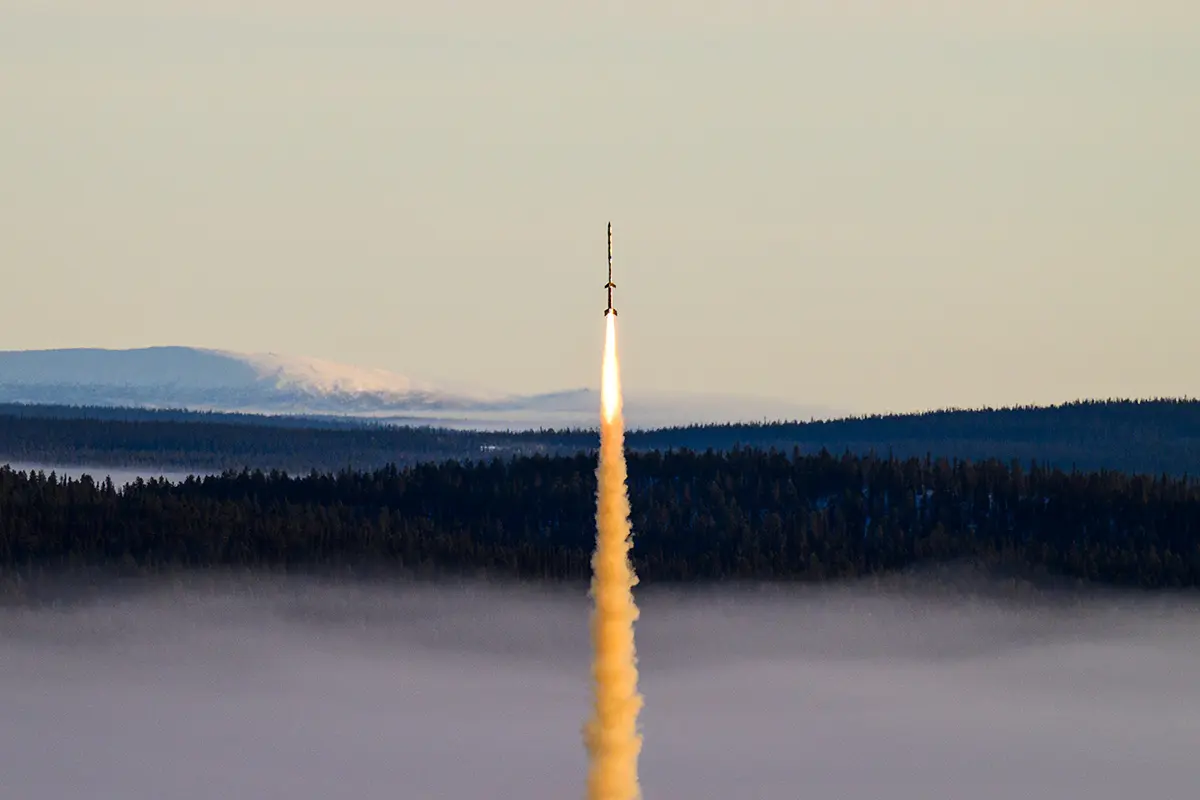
119	475
299	689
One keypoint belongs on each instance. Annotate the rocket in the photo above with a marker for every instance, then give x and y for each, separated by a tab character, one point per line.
610	285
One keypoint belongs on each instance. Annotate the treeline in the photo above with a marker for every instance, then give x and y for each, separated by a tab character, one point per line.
216	446
126	414
1149	436
745	514
1136	436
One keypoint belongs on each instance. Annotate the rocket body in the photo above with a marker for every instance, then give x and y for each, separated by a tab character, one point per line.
610	285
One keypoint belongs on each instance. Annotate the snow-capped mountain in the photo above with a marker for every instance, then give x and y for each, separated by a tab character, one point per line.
218	380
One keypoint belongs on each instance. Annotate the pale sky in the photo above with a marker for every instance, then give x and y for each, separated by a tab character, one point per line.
871	206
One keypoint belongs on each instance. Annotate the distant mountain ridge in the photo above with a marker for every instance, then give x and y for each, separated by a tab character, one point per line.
268	383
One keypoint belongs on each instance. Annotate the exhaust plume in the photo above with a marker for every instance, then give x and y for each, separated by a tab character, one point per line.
611	736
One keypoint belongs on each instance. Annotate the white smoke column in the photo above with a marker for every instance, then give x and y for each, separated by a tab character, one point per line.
611	736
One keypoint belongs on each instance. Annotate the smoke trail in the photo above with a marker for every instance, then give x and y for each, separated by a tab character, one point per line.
611	735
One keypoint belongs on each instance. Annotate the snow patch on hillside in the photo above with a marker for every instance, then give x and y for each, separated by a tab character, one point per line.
220	380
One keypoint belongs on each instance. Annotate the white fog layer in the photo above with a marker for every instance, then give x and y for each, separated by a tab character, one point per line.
303	690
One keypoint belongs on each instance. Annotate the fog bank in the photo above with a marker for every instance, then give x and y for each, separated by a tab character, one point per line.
302	689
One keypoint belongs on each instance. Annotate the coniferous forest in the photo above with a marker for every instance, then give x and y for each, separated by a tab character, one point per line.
1151	436
742	513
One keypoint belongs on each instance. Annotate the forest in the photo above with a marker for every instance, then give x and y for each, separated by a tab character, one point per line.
1148	436
741	513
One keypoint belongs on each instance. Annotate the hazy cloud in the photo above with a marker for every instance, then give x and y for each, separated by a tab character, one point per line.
308	690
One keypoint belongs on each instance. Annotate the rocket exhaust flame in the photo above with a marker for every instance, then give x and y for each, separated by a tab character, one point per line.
610	388
611	736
